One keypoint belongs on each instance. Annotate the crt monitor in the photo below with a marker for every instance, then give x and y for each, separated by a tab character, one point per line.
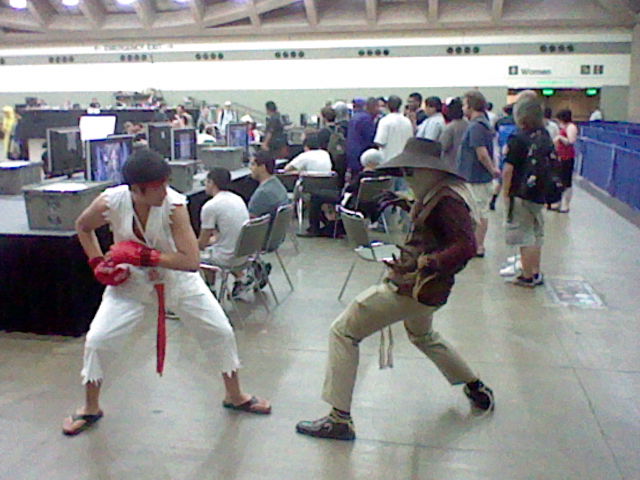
238	135
106	157
64	151
97	127
183	144
159	138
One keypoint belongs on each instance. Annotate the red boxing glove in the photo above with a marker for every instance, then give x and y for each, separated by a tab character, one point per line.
134	253
107	272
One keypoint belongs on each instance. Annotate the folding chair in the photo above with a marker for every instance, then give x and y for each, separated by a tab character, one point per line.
278	234
310	183
358	237
248	246
370	190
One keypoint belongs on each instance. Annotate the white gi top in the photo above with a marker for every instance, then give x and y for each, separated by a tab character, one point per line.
120	216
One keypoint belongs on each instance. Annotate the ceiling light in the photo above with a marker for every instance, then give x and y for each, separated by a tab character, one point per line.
182	1
126	2
18	4
70	3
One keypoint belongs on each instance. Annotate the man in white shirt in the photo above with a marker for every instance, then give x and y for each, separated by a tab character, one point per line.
312	160
433	126
225	117
221	220
394	129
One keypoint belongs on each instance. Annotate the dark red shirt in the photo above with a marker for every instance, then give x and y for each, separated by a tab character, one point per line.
447	239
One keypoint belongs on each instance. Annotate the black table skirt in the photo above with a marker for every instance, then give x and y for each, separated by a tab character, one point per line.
46	286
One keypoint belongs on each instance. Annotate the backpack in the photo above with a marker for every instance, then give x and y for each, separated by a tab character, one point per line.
337	146
540	182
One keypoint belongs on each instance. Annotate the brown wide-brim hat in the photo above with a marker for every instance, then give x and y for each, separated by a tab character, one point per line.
421	153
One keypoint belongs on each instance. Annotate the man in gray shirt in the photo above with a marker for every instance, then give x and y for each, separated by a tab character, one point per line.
270	194
475	159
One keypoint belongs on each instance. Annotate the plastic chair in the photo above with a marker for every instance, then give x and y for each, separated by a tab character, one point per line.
278	234
358	237
310	183
370	190
248	247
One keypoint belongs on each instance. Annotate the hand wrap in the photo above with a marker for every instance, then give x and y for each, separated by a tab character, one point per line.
134	253
107	272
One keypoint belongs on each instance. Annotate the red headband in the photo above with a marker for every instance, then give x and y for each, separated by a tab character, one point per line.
153	184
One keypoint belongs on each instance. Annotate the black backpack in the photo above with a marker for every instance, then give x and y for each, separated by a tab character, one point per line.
540	182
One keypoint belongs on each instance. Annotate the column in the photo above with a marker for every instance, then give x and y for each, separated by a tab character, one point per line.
634	77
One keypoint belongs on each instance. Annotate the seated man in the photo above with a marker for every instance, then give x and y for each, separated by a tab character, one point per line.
418	284
270	193
221	220
312	159
370	159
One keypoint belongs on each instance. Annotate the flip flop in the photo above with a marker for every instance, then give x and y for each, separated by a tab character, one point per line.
89	421
250	406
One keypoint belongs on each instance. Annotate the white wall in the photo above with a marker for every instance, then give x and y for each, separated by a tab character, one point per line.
391	72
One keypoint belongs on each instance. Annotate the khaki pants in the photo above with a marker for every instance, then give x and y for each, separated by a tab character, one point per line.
372	310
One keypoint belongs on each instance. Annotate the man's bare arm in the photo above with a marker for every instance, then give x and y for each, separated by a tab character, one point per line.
88	222
483	157
204	240
188	255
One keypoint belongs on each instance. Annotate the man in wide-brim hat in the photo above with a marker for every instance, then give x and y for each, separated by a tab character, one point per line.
439	245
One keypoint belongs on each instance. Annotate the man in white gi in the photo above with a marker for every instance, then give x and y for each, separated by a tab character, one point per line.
153	263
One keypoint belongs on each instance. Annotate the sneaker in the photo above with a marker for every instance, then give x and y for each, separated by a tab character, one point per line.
481	397
241	287
326	427
538	279
513	259
511	270
535	281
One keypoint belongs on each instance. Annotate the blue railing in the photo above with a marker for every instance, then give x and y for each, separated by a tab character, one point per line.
612	167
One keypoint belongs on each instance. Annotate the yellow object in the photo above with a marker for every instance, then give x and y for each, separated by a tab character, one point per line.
9	121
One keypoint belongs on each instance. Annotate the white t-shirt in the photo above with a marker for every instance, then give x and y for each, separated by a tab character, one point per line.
392	134
596	115
432	127
316	161
225	213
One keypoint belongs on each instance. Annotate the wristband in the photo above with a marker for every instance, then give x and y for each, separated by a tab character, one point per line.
95	261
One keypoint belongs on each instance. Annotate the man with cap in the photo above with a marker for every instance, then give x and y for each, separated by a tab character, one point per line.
418	283
151	266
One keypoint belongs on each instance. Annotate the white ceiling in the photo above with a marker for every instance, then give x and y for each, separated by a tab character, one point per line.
48	21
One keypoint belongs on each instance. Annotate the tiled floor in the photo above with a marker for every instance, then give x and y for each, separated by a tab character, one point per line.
567	382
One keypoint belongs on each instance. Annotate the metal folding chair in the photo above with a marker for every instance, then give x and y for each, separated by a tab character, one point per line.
310	183
370	189
248	247
279	229
358	237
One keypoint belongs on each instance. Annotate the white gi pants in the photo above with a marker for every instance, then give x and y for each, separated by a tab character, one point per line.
118	315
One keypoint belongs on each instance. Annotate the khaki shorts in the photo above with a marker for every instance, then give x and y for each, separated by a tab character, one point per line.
524	225
482	193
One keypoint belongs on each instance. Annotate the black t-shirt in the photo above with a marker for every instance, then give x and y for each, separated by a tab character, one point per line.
276	128
421	116
518	151
324	135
